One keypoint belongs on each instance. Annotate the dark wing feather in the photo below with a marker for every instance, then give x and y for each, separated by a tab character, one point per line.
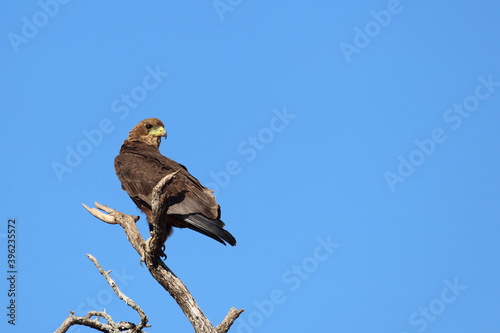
210	227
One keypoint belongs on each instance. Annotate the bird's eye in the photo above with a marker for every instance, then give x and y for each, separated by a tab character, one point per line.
148	126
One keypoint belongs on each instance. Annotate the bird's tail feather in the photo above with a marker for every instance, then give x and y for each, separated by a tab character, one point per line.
210	227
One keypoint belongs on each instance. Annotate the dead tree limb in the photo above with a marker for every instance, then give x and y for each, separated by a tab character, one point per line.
110	326
150	252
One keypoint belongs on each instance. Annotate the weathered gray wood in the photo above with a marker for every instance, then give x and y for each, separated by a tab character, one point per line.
110	326
150	252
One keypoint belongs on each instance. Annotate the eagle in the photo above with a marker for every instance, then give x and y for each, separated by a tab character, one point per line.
140	166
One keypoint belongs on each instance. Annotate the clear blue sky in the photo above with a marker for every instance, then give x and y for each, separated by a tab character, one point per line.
353	147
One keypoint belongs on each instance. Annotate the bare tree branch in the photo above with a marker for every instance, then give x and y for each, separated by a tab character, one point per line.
229	320
127	300
126	221
150	252
74	320
111	326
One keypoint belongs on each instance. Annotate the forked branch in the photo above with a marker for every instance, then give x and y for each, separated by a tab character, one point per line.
110	326
150	252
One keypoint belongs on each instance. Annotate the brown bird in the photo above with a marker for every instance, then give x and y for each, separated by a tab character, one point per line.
140	166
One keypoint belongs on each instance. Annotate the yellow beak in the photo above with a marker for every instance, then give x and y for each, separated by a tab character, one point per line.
158	131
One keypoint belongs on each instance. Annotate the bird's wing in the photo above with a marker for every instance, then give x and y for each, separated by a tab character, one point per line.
141	168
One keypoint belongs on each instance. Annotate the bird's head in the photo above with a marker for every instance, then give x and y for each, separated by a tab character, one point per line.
149	131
